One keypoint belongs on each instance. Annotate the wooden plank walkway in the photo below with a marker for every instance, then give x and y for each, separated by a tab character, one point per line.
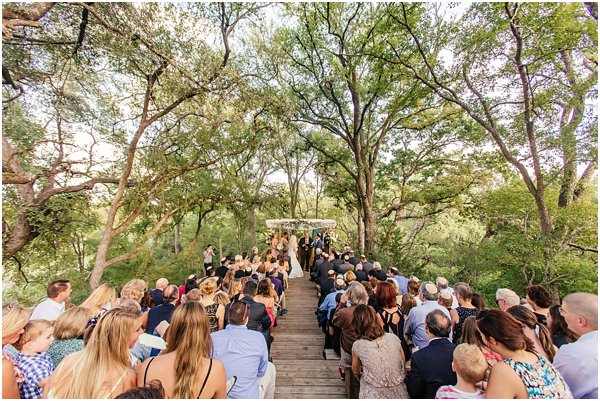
297	351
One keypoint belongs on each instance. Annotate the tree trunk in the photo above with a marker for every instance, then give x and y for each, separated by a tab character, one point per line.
252	224
176	237
360	237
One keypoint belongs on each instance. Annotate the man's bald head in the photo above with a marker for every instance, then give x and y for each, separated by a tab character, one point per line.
581	305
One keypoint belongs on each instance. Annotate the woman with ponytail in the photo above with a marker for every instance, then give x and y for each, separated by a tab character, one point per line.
538	333
522	373
186	369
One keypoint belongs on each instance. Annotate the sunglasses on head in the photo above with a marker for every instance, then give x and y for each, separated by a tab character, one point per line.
246	307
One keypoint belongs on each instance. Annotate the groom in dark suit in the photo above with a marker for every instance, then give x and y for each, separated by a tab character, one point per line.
326	240
305	244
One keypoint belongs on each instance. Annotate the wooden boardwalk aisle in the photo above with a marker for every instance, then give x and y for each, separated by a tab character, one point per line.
297	351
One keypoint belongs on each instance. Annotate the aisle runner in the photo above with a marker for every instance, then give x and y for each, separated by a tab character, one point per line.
298	349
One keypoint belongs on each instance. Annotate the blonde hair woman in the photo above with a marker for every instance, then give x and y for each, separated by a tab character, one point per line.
193	295
14	318
67	329
102	299
134	290
214	310
102	369
186	369
235	289
228	281
222	298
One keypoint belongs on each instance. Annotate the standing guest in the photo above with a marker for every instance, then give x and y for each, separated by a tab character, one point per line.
445	300
536	332
101	300
328	285
50	309
360	273
103	368
377	272
578	362
163	311
463	295
478	301
245	356
274	243
224	268
431	367
343	317
214	310
345	267
353	260
68	333
14	319
157	292
285	240
561	334
415	323
377	358
471	336
266	295
506	298
522	373
33	361
208	255
413	289
470	367
442	285
408	302
367	266
319	243
400	280
323	269
186	369
390	314
539	299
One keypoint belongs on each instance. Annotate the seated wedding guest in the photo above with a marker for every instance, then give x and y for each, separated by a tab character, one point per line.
377	272
102	369
266	295
14	318
193	295
431	367
186	368
522	373
34	363
258	319
235	289
561	334
470	367
377	358
445	299
163	311
408	302
361	275
245	356
539	299
578	362
329	302
101	300
214	310
537	333
327	285
157	292
68	333
50	309
147	301
153	390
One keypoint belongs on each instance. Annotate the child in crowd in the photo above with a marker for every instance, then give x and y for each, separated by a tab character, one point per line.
470	367
35	365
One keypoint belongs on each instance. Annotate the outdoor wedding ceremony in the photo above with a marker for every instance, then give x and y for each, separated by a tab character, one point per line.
299	200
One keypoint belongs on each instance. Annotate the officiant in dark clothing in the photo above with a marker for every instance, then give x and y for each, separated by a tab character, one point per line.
305	244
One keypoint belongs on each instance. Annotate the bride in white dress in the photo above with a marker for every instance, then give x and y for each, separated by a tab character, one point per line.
296	269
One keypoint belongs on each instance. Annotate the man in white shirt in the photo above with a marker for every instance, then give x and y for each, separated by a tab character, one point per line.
578	362
50	309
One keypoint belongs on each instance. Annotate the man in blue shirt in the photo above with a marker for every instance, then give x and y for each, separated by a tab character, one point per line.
244	354
399	279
